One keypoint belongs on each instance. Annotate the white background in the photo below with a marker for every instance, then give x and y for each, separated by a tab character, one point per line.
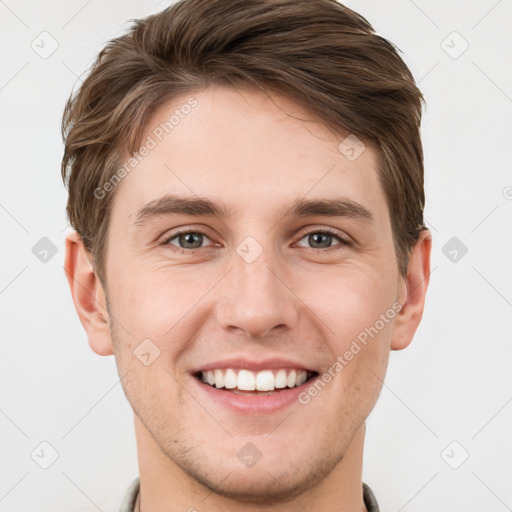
452	384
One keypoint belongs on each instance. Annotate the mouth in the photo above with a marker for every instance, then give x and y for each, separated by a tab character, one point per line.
242	381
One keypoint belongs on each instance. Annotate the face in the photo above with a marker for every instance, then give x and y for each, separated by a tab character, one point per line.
282	264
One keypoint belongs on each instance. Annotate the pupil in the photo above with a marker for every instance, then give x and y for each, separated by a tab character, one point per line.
315	236
189	238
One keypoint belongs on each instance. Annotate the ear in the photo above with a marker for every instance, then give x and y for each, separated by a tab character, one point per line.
412	292
88	294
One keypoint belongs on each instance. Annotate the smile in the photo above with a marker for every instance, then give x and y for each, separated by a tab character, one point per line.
242	380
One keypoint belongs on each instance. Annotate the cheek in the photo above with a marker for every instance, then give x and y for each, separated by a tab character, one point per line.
148	338
348	301
153	303
355	308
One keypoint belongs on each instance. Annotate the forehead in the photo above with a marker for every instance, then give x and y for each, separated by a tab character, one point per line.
248	152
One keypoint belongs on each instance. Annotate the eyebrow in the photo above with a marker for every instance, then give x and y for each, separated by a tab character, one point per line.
200	206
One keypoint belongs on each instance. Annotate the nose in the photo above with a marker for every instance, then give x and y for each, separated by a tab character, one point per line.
257	299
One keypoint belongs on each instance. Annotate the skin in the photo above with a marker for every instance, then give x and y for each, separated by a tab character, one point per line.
298	299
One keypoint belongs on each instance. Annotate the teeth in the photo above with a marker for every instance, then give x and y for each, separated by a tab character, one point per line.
230	379
219	378
246	380
292	379
301	378
280	379
265	381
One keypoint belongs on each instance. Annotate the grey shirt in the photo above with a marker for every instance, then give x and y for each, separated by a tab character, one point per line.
130	497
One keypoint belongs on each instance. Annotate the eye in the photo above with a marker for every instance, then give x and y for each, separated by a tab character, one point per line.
321	239
188	239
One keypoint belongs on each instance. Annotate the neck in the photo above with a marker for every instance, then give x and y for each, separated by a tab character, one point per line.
166	486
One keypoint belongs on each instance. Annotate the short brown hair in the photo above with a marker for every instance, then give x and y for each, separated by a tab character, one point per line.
319	53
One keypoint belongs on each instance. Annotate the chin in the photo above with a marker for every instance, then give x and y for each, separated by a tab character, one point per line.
265	486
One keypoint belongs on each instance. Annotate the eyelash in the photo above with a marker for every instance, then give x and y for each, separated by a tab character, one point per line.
325	231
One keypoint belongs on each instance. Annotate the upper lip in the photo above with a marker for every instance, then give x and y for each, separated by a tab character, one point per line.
253	364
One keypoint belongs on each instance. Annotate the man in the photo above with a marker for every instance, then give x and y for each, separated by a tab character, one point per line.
246	188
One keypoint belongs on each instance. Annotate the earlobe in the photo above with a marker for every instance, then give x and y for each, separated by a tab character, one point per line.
88	295
414	288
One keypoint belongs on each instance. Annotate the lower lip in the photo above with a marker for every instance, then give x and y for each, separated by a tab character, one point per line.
254	403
